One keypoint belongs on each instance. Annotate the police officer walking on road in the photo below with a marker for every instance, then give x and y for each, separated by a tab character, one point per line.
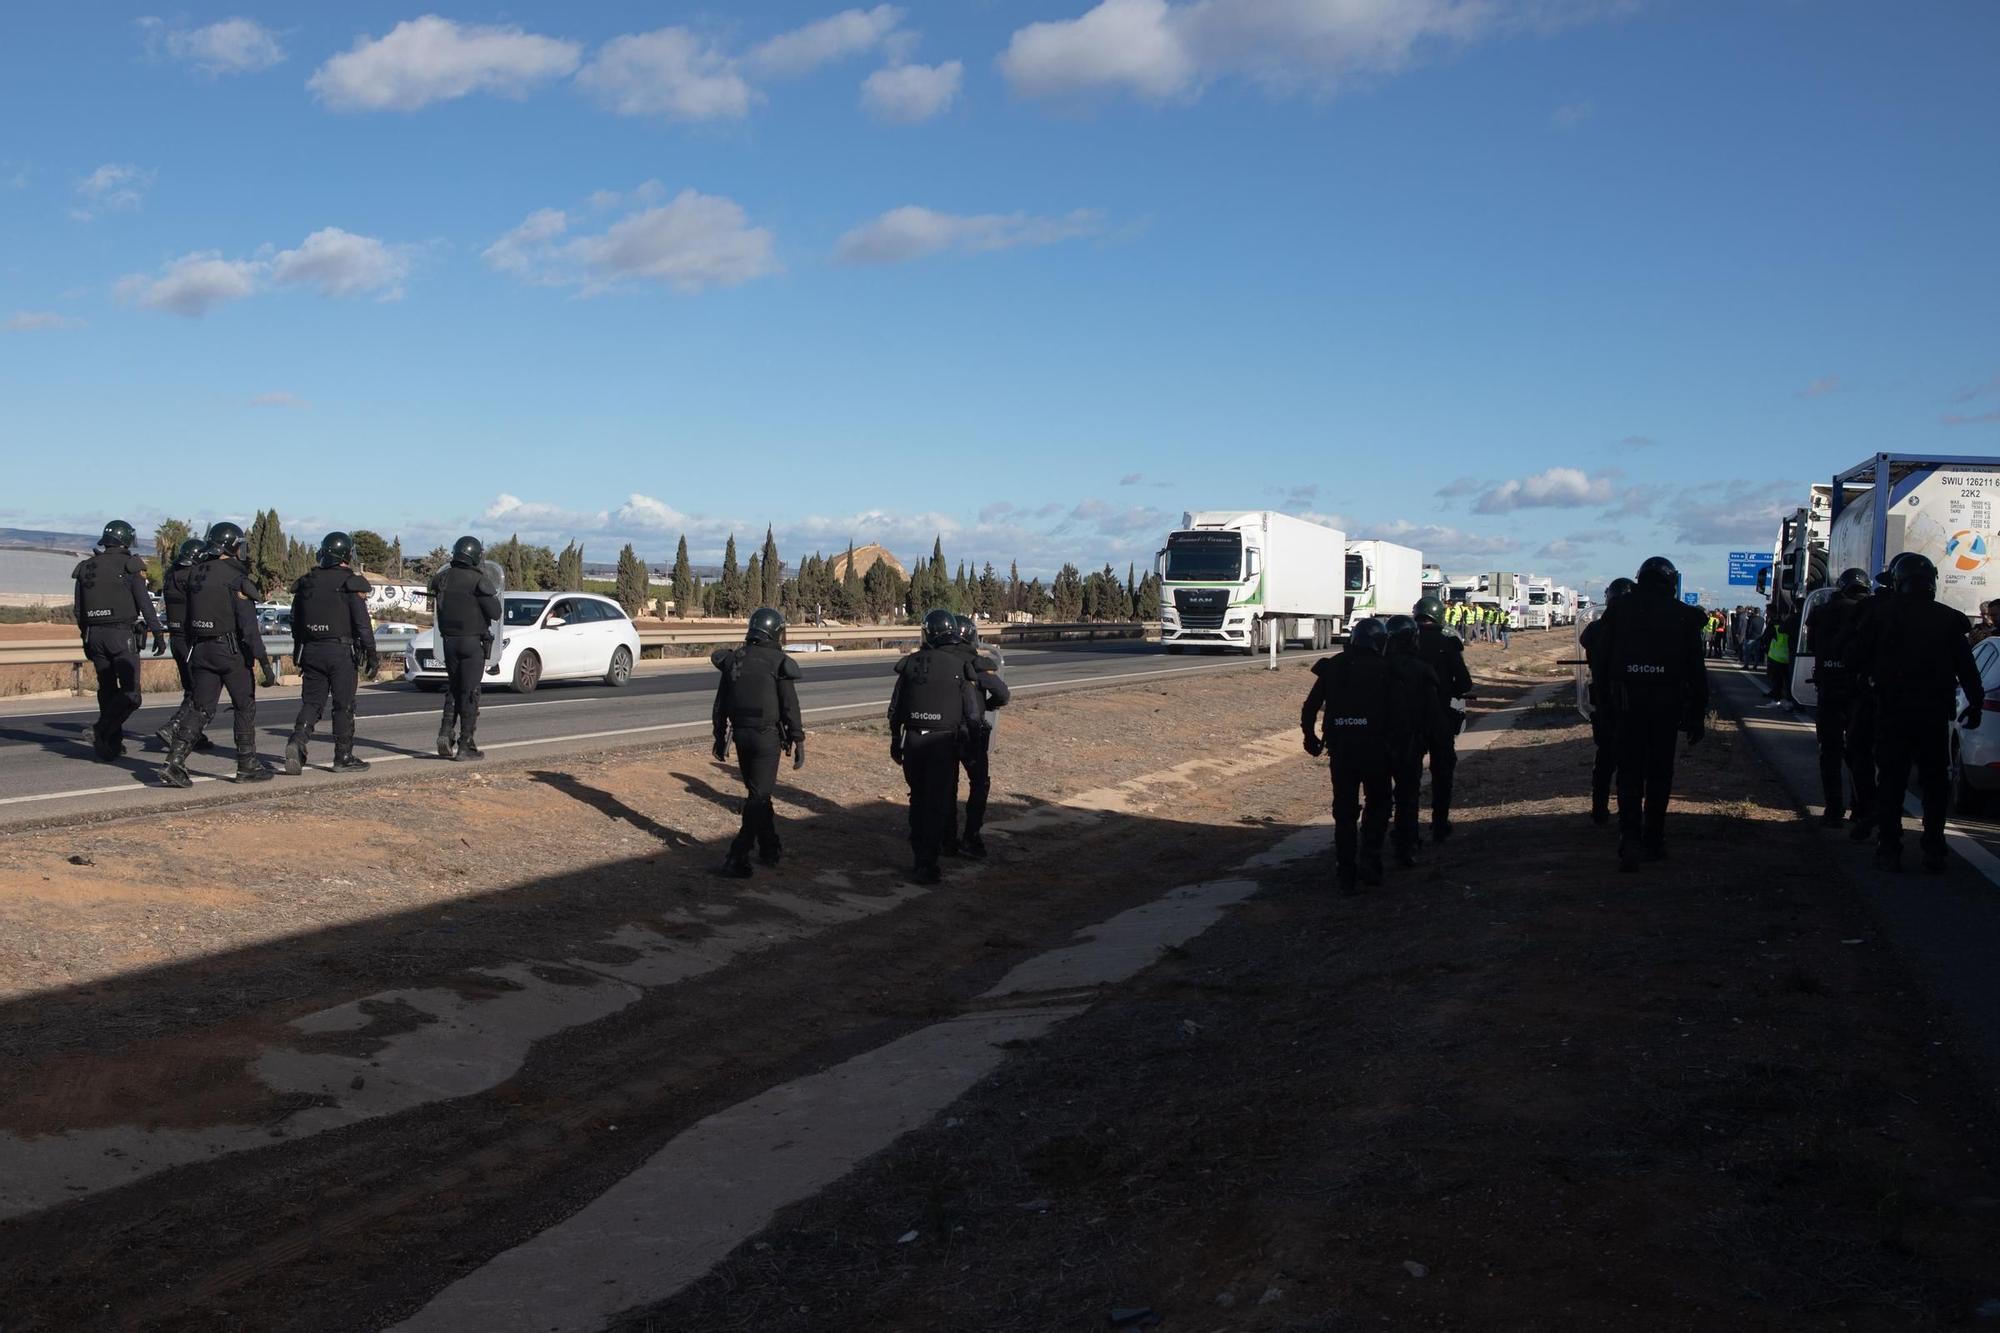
1915	651
173	591
332	636
1603	728
1861	731
976	755
1826	630
1418	721
467	605
1445	655
936	699
111	602
1351	690
757	702
1657	678
223	642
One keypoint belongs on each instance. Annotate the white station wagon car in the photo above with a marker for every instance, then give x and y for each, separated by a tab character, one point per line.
544	636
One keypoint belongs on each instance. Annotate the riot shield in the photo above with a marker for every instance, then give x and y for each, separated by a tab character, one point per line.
1583	702
496	630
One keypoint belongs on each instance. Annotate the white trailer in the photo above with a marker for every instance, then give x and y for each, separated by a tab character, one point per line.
1250	581
1383	579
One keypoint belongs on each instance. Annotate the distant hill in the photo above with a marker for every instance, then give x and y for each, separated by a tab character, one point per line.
865	558
82	543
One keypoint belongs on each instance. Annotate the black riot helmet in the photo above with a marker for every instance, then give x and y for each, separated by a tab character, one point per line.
766	626
185	553
968	629
1916	576
117	533
467	552
1618	588
1852	584
1402	631
940	629
1885	578
223	538
335	549
1430	609
1368	635
1658	575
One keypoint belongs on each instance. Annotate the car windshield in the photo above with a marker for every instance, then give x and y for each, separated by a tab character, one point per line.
524	610
1204	557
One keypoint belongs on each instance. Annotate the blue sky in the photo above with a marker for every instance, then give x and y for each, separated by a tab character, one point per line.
1548	286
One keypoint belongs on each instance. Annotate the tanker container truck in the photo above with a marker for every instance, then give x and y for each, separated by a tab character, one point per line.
1251	580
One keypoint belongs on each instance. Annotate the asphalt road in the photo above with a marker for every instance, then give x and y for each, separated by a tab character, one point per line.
47	770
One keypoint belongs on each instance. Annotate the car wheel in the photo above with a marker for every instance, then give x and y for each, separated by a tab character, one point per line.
527	672
620	671
430	686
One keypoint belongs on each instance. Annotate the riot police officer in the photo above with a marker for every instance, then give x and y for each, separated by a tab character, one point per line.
467	606
1417	718
1352	691
1861	730
976	755
1915	652
332	636
111	602
1603	731
1826	630
1656	676
173	591
935	700
757	702
1445	655
223	642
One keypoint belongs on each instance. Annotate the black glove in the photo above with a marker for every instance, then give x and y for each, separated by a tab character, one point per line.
1314	745
159	643
371	664
270	672
896	747
1969	719
798	749
721	747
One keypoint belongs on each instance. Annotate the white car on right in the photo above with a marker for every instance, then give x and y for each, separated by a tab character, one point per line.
1975	754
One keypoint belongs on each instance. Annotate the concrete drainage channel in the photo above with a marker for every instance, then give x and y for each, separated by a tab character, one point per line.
722	1180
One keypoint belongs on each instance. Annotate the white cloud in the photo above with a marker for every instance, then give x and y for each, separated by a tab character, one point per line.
115	187
278	398
694	242
192	285
1556	488
909	94
233	46
432	59
1437	541
340	264
912	232
1729	513
673	72
851	32
41	321
1160	49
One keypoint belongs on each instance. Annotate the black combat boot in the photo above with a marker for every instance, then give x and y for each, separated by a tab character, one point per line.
1344	882
445	749
974	846
1628	855
1889	857
467	747
295	751
736	865
1600	815
771	854
1371	866
105	741
1937	860
1440	828
249	768
175	773
929	874
344	760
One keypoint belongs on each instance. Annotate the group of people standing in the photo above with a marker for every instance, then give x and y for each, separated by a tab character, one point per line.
1477	621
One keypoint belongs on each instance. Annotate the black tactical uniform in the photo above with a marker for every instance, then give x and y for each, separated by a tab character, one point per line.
223	642
1353	690
1603	728
1656	680
936	698
1445	654
467	605
976	754
330	630
757	702
1826	630
111	602
1916	654
173	591
1418	720
1861	730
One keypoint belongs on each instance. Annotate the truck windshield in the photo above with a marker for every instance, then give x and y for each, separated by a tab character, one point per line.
1357	574
1536	597
1204	557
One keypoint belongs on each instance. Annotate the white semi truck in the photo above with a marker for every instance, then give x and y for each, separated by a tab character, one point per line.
1383	579
1251	580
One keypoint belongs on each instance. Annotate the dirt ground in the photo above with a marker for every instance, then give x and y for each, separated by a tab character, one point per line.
1515	1089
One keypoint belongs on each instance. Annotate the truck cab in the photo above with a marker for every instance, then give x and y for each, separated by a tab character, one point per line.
1248	581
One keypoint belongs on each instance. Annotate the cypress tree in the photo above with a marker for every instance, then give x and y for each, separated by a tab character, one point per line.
774	571
631	586
687	587
753	581
732	581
